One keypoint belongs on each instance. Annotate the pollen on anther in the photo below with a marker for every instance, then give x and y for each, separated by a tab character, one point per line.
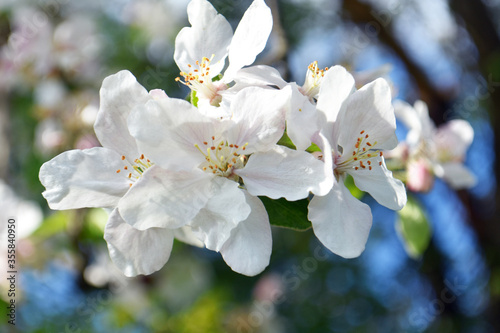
356	168
369	168
236	146
366	136
379	163
369	162
205	143
369	144
362	132
381	154
123	158
125	167
353	153
213	148
142	156
204	168
118	171
213	137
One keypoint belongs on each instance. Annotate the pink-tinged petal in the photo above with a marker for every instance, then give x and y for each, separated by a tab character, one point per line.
84	178
167	130
368	112
453	139
378	181
210	35
186	235
166	199
248	249
458	176
250	37
301	119
260	75
120	94
419	176
337	85
340	221
259	118
137	251
158	94
287	173
221	214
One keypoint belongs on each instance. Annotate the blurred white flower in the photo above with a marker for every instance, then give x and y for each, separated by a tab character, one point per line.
27	216
434	151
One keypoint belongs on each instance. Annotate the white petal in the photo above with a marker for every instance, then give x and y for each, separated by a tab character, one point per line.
407	115
249	247
259	117
120	93
340	221
166	199
388	191
458	176
185	235
336	86
260	75
368	110
301	119
167	130
287	173
250	37
209	35
426	122
222	213
84	178
134	251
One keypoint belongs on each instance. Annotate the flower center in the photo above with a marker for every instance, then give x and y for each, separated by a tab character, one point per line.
135	170
222	158
363	157
200	81
314	77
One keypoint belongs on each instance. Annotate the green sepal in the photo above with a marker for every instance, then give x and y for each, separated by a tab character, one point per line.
218	77
194	98
287	214
312	148
413	228
285	141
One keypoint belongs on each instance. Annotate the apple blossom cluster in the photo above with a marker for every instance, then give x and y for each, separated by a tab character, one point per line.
194	171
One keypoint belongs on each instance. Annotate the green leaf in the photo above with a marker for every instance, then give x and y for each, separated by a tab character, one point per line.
414	229
288	214
54	224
